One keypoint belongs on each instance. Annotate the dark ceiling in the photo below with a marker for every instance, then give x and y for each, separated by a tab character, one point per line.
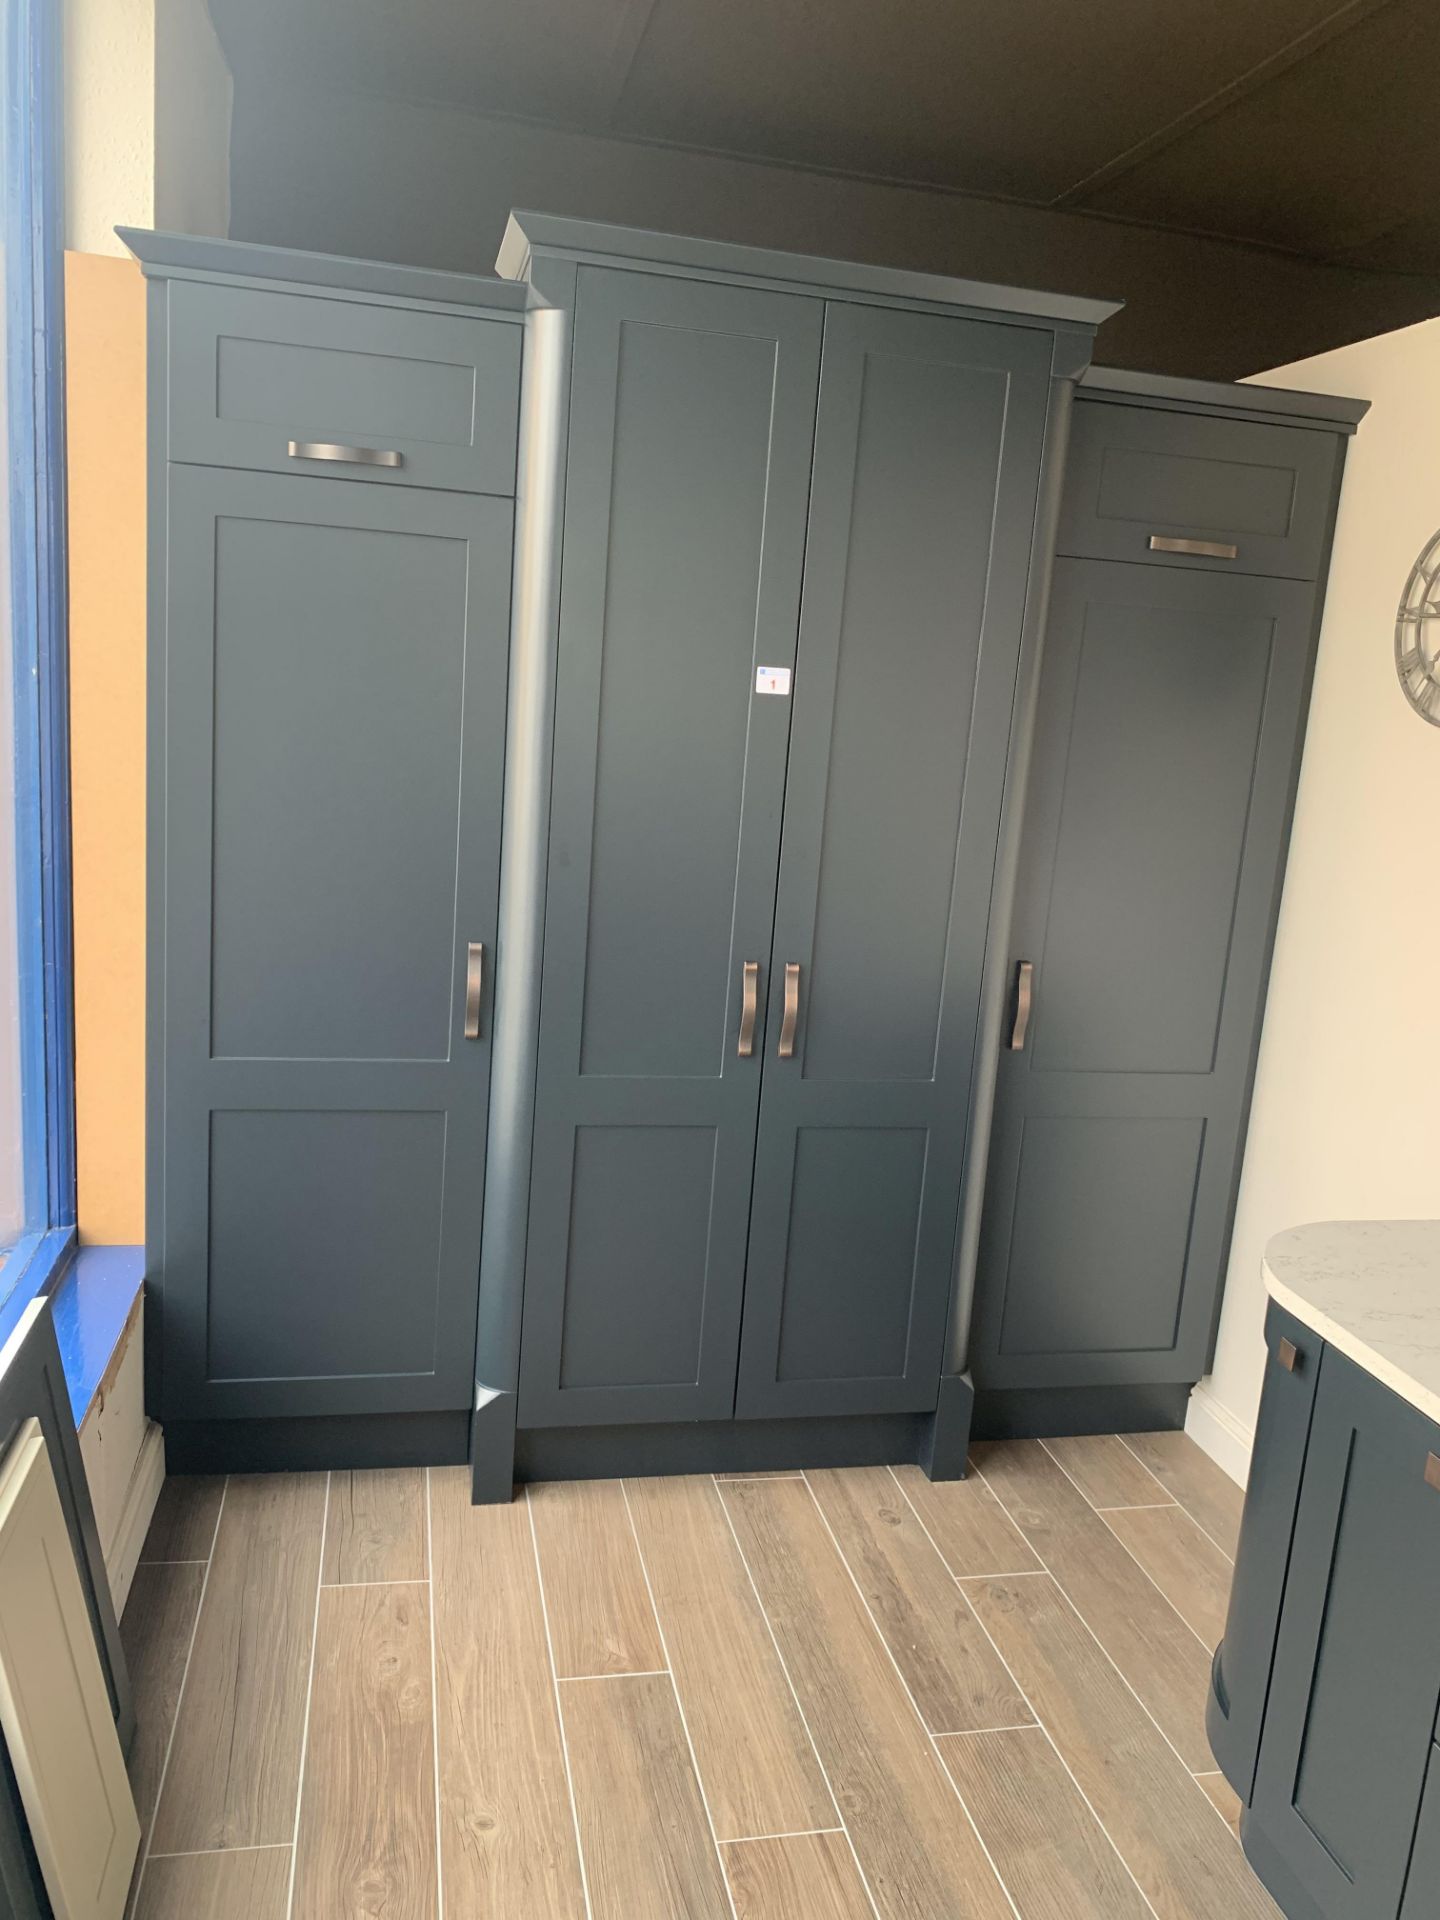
1299	125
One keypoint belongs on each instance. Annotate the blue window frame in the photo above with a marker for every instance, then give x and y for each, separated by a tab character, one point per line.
37	1120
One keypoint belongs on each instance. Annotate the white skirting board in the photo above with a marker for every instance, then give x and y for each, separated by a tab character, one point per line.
1215	1429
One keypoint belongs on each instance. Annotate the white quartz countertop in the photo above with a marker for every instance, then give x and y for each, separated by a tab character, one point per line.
1372	1289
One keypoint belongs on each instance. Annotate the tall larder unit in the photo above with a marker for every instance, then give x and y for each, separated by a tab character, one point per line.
784	520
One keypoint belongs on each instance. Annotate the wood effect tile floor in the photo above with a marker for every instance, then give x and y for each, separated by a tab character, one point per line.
843	1695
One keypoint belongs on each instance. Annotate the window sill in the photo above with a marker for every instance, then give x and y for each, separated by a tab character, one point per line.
34	1265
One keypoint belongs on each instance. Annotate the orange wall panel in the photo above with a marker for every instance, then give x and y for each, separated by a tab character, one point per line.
105	399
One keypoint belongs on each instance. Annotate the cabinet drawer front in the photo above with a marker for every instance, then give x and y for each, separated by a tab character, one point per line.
372	392
1223	495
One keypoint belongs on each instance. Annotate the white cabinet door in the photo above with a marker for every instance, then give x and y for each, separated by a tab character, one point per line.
54	1707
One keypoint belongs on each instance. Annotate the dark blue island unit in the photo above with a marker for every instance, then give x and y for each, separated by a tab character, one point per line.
1325	1689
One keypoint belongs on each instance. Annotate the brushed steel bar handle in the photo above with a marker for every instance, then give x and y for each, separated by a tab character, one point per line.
474	987
1203	549
792	1009
1024	999
749	1006
1288	1354
353	456
1432	1471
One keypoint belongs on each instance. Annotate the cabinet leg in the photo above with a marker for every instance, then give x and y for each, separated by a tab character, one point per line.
492	1448
945	1447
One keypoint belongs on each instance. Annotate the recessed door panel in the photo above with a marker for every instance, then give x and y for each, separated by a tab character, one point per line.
1101	1233
336	658
1164	727
337	944
1170	705
927	461
850	1253
640	1237
691	425
324	1244
675	696
926	464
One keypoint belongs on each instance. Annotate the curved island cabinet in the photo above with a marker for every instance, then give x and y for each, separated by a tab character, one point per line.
1325	1689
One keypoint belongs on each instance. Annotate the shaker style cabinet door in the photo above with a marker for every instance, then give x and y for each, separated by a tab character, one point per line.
1240	1672
336	658
691	425
1353	1695
1170	712
927	460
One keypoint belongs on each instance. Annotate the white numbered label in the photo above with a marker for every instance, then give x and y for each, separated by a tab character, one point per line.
772	680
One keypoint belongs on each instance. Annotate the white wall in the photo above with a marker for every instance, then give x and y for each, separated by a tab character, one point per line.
1347	1093
109	121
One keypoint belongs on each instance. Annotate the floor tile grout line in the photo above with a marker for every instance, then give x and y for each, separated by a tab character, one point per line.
979	1733
208	1853
1184	1504
1219	1810
134	1904
1062	1589
719	1488
341	1586
1200	1639
631	1673
1039	1722
679	1703
740	1479
1136	1506
935	1753
798	1833
434	1696
555	1693
309	1697
967	1579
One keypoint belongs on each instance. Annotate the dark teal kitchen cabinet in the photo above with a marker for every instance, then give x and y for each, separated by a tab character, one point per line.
691	426
927	456
1180	647
1240	1675
795	551
618	744
1350	1714
1325	1689
333	537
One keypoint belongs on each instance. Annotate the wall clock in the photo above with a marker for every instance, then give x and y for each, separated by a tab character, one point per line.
1417	635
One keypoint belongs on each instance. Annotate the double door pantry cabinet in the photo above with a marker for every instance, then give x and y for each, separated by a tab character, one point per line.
591	718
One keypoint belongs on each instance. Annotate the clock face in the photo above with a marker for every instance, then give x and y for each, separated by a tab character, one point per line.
1417	635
